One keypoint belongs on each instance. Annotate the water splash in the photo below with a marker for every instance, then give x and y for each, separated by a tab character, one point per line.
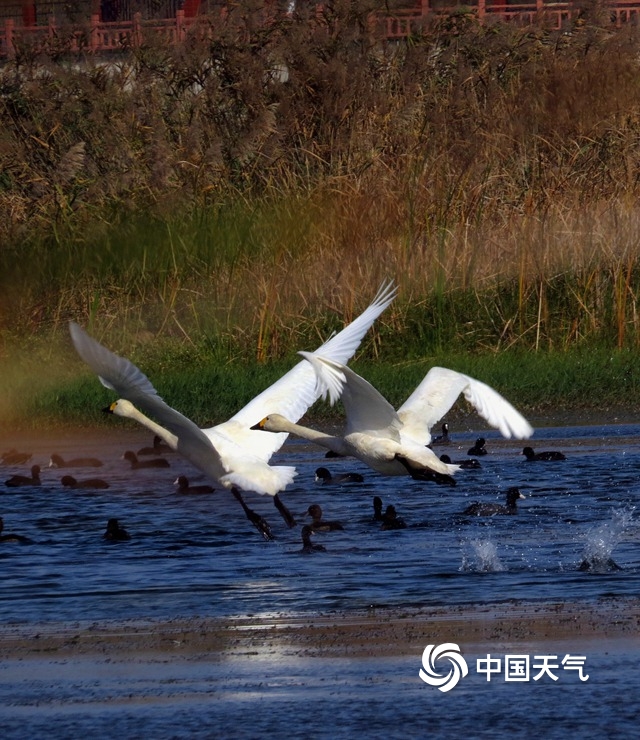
481	556
602	539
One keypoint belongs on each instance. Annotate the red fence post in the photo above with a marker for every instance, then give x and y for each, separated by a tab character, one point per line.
137	29
8	35
93	32
28	13
191	8
180	25
481	9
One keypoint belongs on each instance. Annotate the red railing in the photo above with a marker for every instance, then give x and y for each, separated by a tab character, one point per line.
404	22
100	36
95	36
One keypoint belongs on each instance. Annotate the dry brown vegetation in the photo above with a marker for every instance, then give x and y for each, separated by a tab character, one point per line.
259	174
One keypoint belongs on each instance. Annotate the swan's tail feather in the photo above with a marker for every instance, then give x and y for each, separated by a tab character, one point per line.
279	477
444	468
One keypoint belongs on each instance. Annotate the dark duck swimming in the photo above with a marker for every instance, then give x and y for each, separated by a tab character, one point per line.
491	509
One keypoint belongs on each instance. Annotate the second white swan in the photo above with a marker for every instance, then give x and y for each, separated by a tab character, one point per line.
395	442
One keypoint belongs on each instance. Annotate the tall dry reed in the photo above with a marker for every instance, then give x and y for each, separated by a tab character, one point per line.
259	174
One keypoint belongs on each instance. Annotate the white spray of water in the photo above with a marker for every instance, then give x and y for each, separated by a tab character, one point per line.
602	539
481	556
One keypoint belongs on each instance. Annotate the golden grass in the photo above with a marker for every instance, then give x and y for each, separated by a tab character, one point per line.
491	170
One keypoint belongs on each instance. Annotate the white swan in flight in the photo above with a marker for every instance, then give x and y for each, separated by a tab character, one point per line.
395	442
230	453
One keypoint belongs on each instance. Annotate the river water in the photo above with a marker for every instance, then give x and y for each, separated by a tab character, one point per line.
197	555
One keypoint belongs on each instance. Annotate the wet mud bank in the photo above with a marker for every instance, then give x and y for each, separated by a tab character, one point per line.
378	633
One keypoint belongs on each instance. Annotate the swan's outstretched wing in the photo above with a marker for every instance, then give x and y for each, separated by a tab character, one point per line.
437	393
128	381
114	372
223	460
366	409
296	391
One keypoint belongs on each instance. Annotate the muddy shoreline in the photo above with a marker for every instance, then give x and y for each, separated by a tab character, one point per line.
373	633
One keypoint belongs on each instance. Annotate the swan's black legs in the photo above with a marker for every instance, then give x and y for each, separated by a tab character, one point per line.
442	479
286	514
258	522
426	474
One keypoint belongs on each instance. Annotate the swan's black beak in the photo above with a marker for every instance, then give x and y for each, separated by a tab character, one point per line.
259	426
108	410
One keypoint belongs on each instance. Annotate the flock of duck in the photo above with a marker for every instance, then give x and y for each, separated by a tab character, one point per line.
236	454
113	531
388	519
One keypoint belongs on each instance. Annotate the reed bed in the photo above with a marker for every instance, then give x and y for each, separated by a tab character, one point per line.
237	198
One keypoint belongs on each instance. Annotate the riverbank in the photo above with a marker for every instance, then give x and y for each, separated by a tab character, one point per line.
374	633
48	432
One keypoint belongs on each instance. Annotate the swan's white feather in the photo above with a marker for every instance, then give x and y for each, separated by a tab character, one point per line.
366	409
231	452
114	372
297	390
440	389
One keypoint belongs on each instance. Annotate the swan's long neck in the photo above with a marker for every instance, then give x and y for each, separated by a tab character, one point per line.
164	434
335	444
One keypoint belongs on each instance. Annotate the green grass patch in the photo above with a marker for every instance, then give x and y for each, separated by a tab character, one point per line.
544	384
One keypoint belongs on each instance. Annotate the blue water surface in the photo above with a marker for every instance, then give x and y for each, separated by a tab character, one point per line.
197	555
